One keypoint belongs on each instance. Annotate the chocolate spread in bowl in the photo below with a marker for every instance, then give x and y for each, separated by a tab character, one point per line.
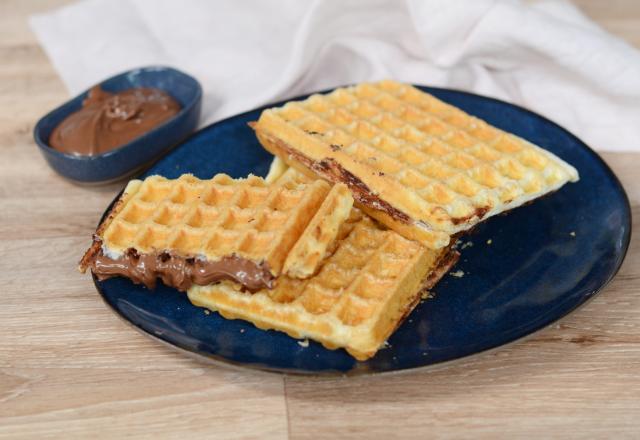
109	120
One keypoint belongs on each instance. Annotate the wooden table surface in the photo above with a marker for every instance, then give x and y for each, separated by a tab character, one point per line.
70	368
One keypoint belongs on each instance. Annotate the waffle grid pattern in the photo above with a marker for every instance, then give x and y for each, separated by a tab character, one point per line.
314	243
355	301
452	163
215	218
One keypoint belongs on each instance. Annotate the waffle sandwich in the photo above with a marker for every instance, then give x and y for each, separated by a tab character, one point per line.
420	166
371	279
188	230
361	294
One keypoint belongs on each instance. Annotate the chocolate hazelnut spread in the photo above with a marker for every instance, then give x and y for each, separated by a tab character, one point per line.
331	170
109	120
181	272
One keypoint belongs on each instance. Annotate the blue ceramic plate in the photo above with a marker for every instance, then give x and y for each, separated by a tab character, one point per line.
543	261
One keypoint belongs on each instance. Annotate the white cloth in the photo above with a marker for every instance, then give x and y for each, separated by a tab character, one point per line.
545	55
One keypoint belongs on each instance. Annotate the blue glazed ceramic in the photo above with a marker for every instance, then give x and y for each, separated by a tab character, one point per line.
523	271
141	151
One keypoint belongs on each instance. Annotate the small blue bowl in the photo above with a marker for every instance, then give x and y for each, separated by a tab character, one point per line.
143	150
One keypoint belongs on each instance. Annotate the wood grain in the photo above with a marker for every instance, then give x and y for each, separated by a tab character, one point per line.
69	368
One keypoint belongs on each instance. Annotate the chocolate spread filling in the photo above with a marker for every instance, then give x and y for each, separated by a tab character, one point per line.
361	192
331	170
478	212
182	272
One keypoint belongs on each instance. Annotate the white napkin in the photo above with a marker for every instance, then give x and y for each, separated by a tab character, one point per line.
546	56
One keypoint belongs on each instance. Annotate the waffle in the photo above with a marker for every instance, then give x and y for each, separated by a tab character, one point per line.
221	217
277	168
282	173
357	299
313	244
422	167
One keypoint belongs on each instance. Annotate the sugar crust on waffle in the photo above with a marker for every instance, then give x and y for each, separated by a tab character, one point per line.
424	168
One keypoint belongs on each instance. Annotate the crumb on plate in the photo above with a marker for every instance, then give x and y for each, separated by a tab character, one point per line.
428	294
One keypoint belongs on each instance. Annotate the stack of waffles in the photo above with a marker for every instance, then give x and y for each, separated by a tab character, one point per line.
356	219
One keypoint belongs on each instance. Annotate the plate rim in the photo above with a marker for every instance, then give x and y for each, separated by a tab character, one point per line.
217	360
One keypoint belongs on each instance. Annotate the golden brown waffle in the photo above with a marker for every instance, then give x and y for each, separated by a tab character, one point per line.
422	167
282	173
216	218
357	299
277	168
313	244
